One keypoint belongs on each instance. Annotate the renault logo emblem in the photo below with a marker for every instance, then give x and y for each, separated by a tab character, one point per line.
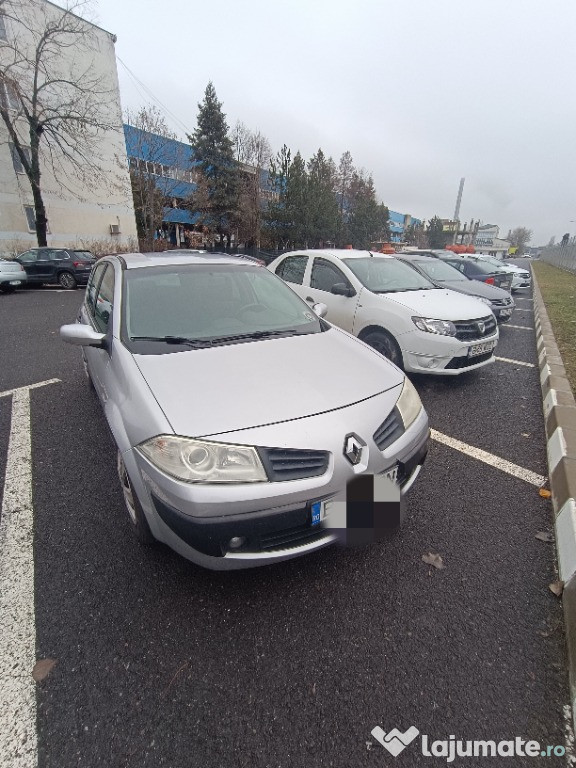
481	326
353	448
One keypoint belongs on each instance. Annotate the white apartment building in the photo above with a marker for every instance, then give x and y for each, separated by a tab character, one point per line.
86	188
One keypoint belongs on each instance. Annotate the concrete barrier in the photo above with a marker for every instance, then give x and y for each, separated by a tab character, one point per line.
560	420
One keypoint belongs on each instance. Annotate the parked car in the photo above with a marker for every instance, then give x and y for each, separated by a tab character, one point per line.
387	304
444	275
68	268
475	269
521	277
12	276
239	415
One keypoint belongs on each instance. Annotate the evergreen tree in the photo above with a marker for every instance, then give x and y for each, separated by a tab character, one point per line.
278	218
217	197
436	235
367	220
322	203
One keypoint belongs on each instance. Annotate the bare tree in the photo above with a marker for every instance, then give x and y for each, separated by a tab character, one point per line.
252	152
54	102
520	237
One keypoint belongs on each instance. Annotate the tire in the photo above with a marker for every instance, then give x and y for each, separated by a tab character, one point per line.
136	514
386	344
67	280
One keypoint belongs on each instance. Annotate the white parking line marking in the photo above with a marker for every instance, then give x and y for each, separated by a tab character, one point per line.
489	458
8	392
520	327
18	739
18	746
515	362
522	298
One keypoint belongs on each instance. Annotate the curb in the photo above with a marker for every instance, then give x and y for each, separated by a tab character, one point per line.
559	409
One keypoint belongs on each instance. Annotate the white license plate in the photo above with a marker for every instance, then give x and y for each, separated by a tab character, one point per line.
505	312
15	282
481	349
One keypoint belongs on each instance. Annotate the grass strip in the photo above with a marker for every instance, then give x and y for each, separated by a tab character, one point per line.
558	289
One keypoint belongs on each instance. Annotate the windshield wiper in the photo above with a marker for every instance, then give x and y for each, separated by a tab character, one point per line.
195	343
254	335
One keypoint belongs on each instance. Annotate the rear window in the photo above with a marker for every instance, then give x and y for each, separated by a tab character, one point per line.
86	255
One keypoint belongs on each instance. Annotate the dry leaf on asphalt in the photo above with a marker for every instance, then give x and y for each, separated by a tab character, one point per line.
557	587
42	669
544	493
544	536
435	560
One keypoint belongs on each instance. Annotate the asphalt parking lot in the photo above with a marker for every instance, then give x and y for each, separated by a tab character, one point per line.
159	663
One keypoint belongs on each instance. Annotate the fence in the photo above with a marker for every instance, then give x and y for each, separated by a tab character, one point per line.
563	256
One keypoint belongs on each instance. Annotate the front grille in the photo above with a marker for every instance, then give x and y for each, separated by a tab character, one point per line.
469	330
466	362
390	430
292	537
292	464
501	302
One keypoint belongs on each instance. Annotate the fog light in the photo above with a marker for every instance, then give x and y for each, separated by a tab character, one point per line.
236	542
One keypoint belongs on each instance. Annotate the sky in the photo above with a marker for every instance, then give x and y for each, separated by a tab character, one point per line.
422	93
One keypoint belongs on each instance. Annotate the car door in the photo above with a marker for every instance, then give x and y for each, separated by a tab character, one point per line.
97	359
292	269
28	261
324	276
45	268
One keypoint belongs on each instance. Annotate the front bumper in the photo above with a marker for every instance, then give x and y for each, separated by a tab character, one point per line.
443	355
274	518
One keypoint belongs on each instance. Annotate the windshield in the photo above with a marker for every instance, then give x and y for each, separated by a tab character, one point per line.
439	270
387	275
493	263
210	304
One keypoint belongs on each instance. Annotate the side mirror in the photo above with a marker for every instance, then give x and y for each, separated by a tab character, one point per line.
82	335
320	309
341	289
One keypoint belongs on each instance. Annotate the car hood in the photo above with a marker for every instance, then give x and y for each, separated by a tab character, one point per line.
475	288
207	392
440	304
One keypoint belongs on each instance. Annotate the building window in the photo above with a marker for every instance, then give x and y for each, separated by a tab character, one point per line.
16	162
31	217
8	96
3	35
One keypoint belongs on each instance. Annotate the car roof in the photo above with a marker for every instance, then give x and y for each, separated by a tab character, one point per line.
340	253
415	256
179	257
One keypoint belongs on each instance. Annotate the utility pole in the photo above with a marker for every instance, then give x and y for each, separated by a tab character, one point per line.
457	209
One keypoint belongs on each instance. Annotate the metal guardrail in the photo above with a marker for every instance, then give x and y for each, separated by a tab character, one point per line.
562	256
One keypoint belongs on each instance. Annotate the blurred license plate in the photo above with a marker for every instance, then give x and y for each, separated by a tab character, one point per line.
505	312
15	282
506	285
481	349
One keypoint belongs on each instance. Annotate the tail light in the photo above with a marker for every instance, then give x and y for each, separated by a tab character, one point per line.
80	264
489	280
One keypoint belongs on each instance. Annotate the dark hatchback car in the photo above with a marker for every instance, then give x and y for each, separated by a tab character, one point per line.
477	270
69	268
443	275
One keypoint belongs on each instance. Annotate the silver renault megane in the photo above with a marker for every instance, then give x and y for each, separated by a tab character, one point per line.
240	415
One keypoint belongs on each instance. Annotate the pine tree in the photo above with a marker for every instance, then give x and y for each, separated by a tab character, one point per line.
217	198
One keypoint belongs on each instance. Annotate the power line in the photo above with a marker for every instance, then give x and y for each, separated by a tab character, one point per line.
149	95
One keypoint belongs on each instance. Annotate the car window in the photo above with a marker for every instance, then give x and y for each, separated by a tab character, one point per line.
86	255
92	287
436	269
58	255
105	300
43	254
387	275
210	302
28	257
292	269
325	275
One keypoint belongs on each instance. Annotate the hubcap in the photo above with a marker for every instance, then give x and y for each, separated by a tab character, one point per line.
126	489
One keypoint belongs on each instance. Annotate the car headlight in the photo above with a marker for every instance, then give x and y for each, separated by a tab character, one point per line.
443	327
200	461
409	403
